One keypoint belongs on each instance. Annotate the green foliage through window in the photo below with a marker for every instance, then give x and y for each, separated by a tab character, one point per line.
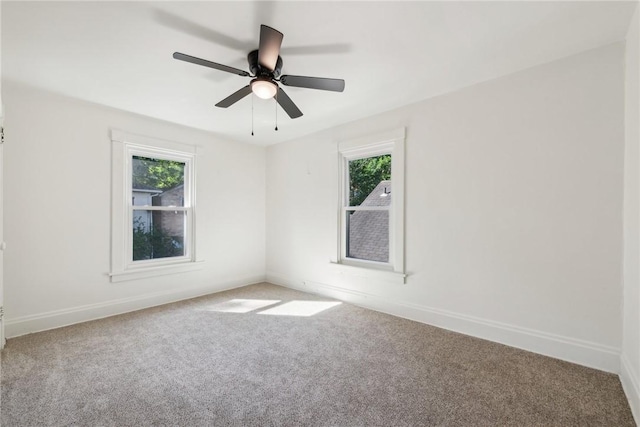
153	243
156	173
365	174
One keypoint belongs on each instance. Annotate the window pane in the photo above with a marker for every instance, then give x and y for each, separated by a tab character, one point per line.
158	234
368	235
370	178
157	182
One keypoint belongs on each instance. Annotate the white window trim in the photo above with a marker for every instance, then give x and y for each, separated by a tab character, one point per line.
124	146
385	143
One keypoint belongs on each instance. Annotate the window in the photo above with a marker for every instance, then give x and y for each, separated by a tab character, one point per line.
366	211
153	218
371	217
159	210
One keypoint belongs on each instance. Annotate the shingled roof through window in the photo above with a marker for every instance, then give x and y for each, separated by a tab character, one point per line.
369	230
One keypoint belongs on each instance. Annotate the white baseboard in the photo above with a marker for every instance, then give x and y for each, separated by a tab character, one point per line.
631	385
573	350
69	316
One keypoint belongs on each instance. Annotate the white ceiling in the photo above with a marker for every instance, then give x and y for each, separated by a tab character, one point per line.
389	53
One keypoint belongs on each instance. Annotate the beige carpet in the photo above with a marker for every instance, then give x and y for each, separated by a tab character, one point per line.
204	362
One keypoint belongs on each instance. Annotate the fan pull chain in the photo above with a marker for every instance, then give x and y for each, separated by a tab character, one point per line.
277	109
251	114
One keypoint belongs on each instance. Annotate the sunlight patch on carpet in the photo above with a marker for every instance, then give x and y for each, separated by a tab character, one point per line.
300	308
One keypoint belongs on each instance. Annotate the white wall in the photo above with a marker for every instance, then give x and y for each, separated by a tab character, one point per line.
513	210
2	335
57	211
630	359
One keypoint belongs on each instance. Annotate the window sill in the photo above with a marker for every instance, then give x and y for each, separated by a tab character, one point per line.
143	273
390	276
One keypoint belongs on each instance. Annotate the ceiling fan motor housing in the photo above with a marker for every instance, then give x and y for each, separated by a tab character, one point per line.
257	70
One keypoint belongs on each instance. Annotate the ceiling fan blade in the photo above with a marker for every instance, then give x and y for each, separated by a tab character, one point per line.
287	104
205	63
269	49
234	97
335	85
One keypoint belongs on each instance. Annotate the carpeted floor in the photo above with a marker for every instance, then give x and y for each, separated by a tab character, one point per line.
212	362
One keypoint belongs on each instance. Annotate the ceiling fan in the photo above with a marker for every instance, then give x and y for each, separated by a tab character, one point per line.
265	65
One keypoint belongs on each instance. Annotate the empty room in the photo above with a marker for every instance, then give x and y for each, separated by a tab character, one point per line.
314	213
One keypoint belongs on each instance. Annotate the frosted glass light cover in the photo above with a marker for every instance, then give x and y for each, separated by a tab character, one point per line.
264	89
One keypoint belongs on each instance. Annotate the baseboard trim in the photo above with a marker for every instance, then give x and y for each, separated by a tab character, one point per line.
58	318
631	385
573	350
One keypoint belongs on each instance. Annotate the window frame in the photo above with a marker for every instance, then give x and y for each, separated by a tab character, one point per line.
387	143
124	148
348	156
155	153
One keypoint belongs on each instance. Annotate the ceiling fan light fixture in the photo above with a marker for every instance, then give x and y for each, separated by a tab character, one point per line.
264	88
265	64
